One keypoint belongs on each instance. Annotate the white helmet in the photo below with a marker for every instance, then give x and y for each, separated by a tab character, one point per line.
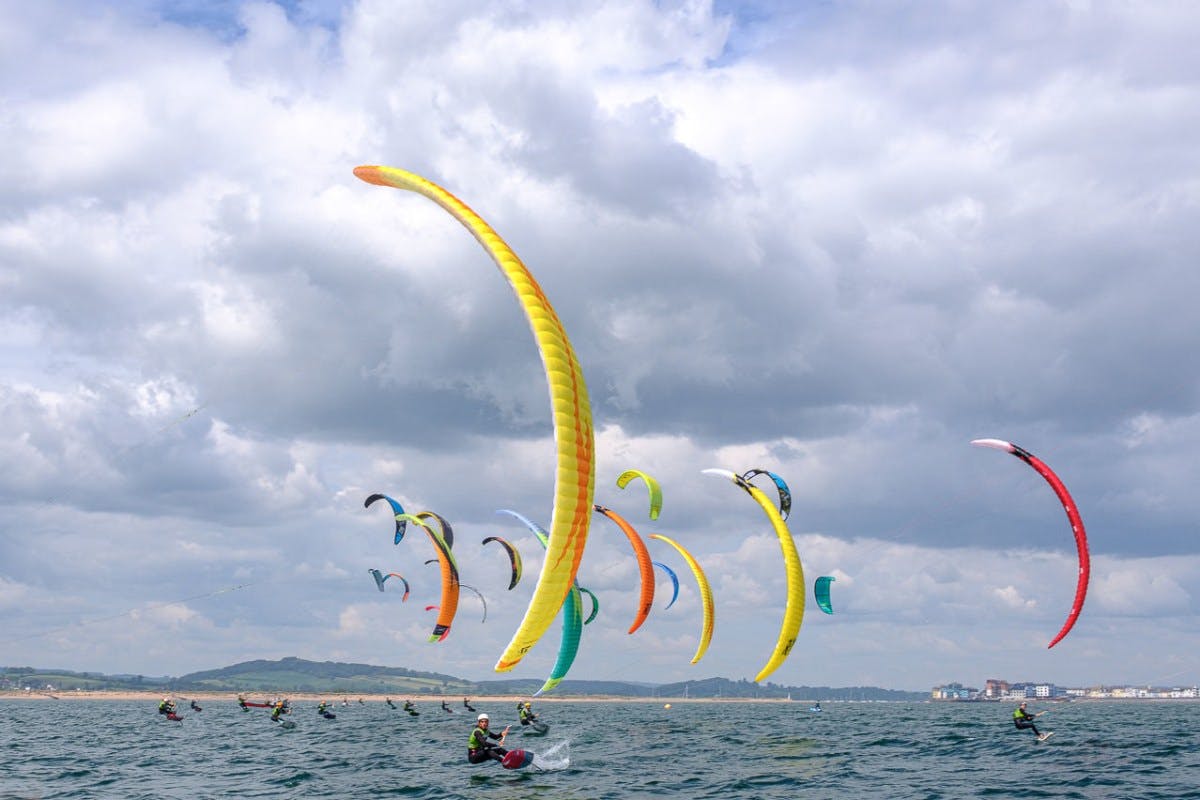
481	718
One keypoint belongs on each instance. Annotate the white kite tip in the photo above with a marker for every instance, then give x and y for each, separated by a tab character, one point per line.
995	444
723	473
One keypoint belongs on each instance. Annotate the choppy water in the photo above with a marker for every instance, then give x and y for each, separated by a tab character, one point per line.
122	749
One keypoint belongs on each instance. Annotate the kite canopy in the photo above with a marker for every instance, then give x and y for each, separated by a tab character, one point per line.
378	576
572	610
514	559
380	579
785	494
821	591
482	601
404	598
574	439
449	602
397	511
651	485
444	528
793	614
1064	497
645	568
706	598
674	582
595	604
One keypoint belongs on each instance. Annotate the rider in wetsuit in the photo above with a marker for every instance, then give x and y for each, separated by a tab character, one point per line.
525	711
467	704
447	708
478	747
166	706
1023	719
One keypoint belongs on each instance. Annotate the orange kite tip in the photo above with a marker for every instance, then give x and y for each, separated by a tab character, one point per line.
370	174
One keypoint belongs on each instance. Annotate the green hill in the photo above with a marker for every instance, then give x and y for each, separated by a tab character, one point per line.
62	679
331	677
298	675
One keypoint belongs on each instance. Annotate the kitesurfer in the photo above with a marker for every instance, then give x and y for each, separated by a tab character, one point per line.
277	711
196	707
525	712
447	708
242	702
321	708
390	703
467	704
478	747
166	707
1023	719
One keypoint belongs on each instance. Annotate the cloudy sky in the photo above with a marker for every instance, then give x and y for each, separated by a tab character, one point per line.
836	240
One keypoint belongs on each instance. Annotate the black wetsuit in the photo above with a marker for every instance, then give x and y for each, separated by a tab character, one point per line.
1023	719
447	708
468	705
479	750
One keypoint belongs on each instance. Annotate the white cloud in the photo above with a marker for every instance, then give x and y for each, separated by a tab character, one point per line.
1011	598
1144	588
172	617
12	594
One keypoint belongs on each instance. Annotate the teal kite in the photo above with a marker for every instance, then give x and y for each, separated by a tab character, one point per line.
821	590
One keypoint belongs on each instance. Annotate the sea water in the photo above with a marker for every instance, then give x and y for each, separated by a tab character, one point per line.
621	751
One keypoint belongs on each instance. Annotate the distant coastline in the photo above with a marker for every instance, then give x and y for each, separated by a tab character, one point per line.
434	701
300	677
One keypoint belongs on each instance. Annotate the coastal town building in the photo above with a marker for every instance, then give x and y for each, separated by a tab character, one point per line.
1001	690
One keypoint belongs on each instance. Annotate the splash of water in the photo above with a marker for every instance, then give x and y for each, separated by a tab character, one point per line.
557	757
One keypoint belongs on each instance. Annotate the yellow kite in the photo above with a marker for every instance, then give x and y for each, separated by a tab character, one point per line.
573	437
793	613
706	598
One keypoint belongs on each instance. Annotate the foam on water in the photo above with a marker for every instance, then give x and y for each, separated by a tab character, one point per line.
556	757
